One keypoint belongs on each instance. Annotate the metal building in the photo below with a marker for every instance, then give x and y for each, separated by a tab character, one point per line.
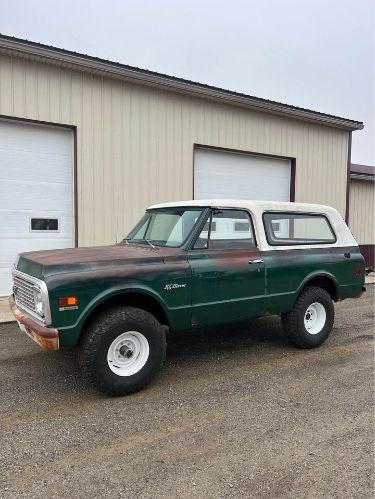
86	144
362	209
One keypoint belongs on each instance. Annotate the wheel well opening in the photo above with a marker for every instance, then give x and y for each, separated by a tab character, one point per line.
138	300
326	283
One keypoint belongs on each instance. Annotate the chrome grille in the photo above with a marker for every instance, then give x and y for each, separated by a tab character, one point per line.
24	293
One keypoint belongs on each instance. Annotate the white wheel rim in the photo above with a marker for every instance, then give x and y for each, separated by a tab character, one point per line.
315	318
128	353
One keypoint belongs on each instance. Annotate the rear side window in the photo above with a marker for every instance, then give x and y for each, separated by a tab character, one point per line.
297	228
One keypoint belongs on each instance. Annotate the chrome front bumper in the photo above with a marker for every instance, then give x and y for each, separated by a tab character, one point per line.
45	337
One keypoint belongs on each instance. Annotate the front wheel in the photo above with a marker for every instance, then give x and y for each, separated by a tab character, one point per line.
310	321
122	350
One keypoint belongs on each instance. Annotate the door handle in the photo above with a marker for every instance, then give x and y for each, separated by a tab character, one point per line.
256	261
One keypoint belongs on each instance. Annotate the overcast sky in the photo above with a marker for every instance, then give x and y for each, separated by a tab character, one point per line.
317	54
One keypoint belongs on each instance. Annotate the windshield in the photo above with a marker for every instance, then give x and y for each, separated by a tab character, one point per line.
166	227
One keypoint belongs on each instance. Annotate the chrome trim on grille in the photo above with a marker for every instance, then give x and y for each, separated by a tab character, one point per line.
24	286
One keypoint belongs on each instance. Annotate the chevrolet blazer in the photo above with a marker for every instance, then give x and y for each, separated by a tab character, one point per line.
184	266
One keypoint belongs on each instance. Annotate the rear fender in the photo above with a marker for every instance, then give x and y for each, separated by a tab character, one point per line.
316	275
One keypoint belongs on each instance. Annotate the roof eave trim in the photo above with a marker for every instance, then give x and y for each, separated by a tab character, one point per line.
160	81
361	176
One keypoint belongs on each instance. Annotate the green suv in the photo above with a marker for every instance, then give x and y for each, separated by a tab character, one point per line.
185	266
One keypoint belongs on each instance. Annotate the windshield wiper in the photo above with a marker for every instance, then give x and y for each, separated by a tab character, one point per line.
127	239
149	242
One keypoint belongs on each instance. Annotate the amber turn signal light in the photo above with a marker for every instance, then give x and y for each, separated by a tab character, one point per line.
68	301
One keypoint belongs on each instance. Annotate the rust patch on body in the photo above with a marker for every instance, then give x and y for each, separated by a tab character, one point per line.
45	337
95	254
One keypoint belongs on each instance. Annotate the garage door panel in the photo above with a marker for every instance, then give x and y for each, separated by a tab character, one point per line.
8	256
24	195
241	187
244	165
54	141
34	166
36	181
13	224
222	174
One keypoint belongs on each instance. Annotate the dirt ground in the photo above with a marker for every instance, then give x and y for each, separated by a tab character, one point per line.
236	412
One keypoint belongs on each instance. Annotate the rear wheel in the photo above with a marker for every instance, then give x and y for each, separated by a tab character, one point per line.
122	350
310	322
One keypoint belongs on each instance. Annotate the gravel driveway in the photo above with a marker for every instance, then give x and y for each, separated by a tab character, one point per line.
237	411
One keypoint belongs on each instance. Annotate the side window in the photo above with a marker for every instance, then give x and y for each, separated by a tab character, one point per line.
297	228
227	229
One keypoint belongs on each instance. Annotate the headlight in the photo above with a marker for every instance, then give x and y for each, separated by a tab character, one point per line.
38	299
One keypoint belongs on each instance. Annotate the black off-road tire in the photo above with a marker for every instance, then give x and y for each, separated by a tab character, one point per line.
293	322
96	342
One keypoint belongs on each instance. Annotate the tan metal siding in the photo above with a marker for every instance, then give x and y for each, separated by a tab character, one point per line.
362	211
135	143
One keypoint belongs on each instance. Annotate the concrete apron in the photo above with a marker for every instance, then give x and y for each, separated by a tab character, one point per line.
5	313
7	316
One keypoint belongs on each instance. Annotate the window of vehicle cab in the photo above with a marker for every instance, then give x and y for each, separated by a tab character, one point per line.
165	227
297	229
227	229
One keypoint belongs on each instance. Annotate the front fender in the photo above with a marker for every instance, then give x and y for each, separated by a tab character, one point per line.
119	290
69	334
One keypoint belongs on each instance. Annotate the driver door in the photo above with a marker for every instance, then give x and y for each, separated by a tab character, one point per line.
228	274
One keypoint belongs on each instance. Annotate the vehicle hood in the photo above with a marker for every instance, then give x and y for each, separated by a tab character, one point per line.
51	262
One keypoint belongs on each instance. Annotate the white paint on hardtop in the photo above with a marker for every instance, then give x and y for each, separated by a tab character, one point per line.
248	204
257	208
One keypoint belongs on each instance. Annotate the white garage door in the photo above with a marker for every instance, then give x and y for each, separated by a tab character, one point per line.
228	175
36	192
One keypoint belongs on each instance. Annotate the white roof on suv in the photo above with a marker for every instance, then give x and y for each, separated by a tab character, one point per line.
249	205
344	237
